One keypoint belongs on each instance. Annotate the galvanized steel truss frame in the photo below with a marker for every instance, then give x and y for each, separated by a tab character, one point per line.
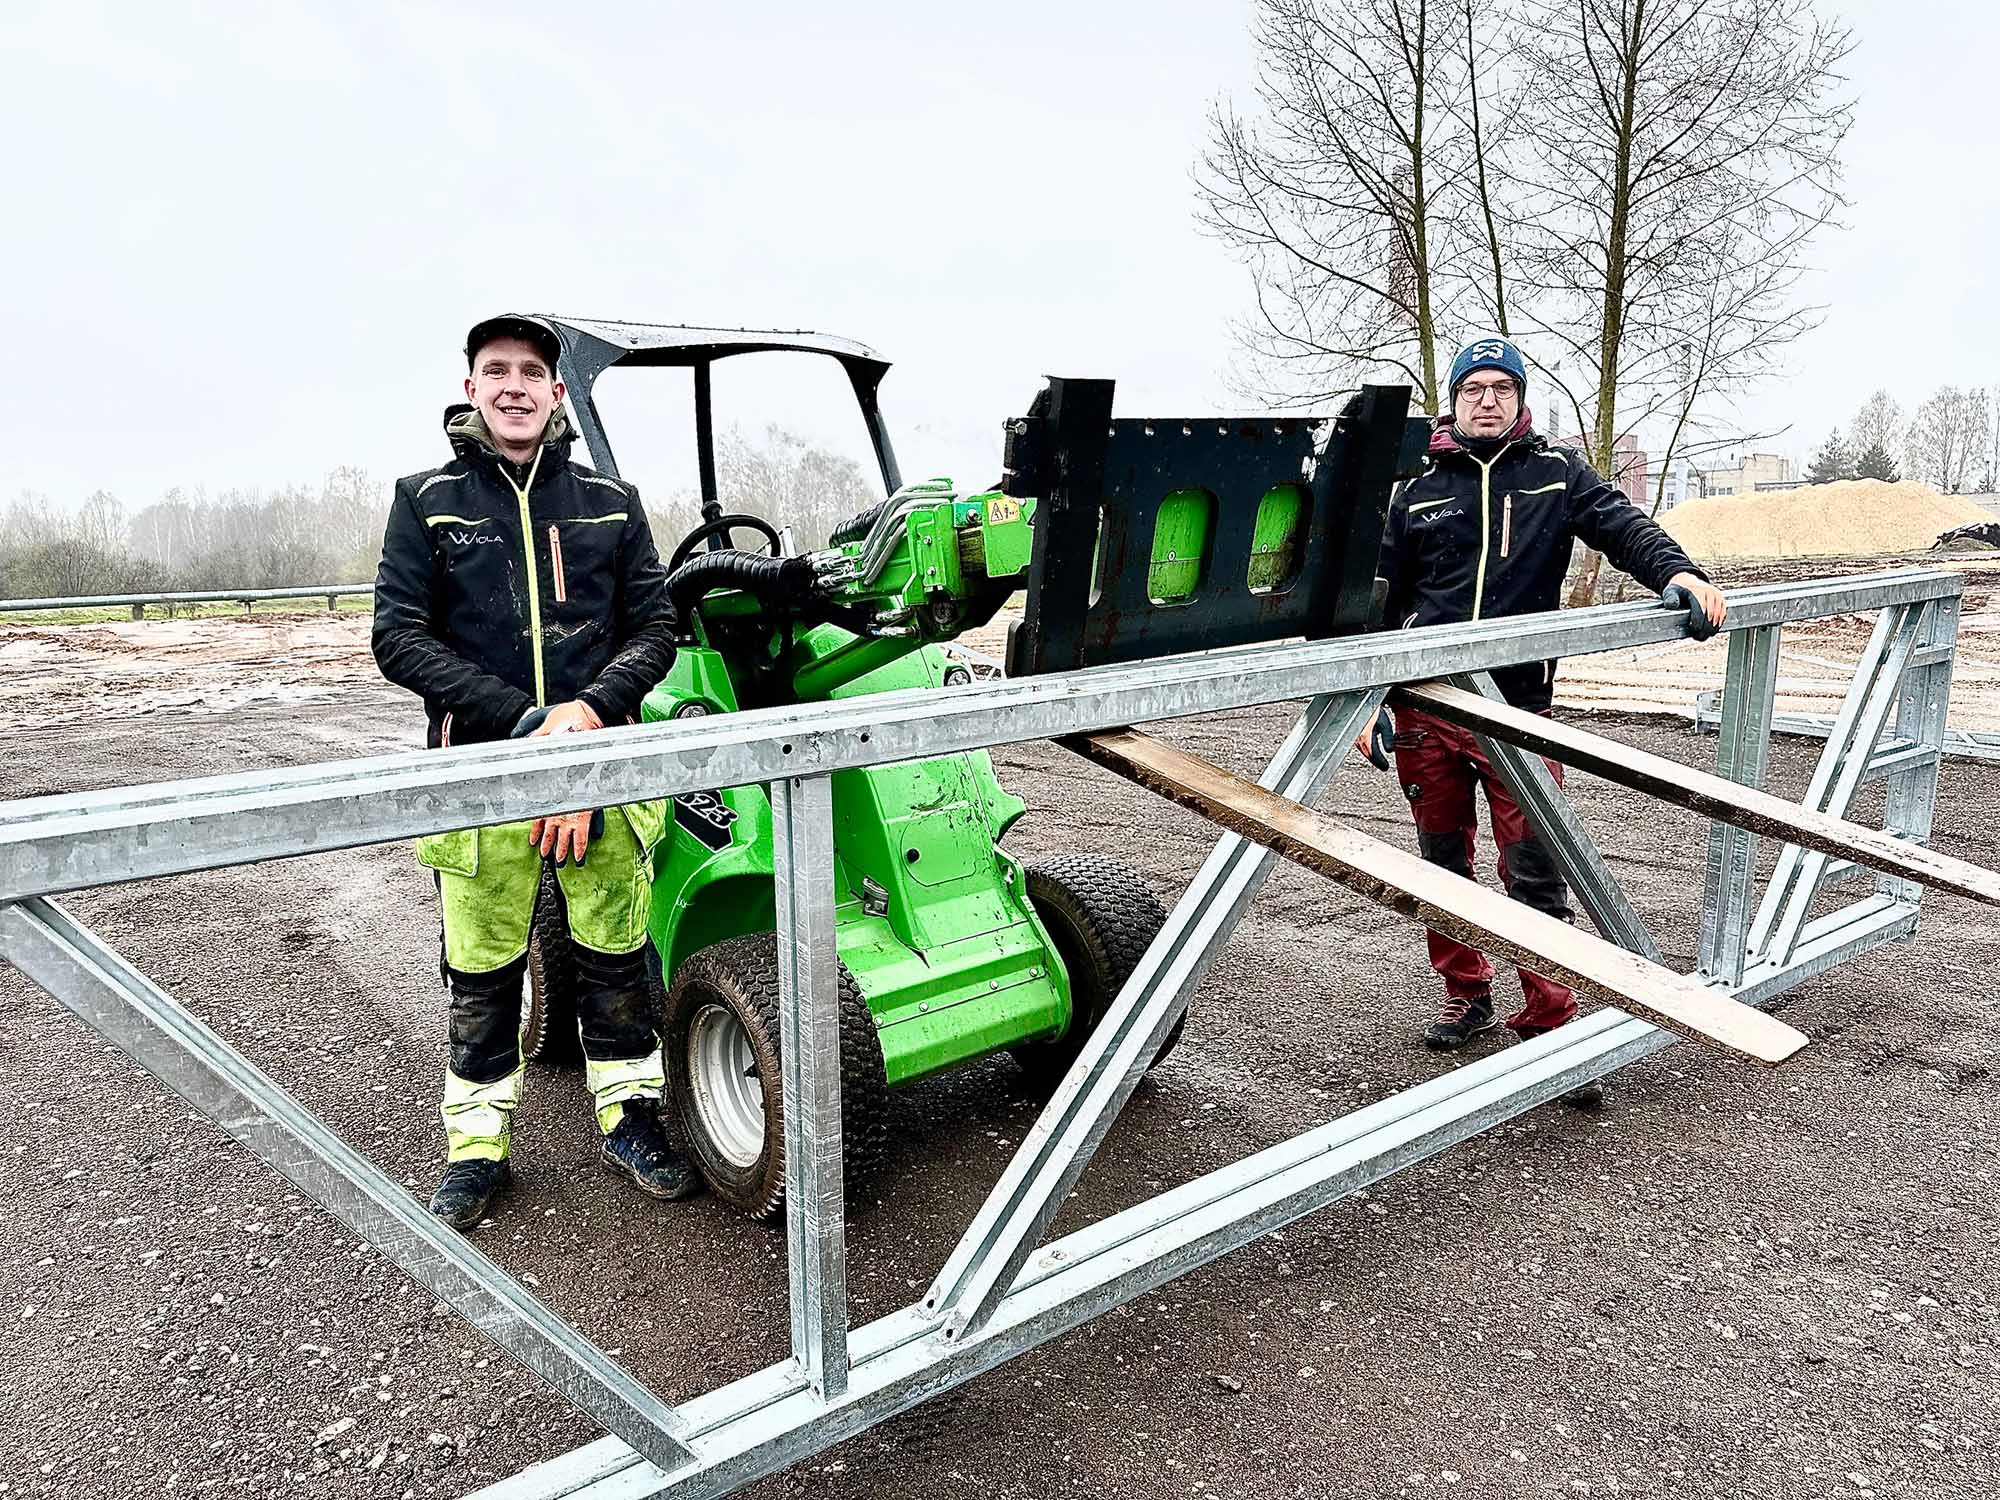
1002	1290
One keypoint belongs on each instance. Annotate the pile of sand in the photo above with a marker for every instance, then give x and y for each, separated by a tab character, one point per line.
1848	518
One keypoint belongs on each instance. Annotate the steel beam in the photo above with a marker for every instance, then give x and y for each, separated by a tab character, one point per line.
809	1040
1017	1213
53	844
1872	697
1959	744
1549	813
1742	750
1910	803
104	991
765	1422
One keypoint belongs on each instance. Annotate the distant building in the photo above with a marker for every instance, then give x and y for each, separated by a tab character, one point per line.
1628	468
1744	474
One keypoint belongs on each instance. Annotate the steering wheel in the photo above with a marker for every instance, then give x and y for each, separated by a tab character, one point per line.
723	526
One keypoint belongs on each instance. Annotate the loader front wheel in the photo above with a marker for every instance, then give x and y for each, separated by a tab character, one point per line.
548	1030
724	1066
1101	918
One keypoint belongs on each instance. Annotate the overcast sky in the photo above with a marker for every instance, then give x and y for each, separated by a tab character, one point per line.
246	240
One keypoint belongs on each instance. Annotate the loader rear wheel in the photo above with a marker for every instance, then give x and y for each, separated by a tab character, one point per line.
548	1030
720	1034
1102	918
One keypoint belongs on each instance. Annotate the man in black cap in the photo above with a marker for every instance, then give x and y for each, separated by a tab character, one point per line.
521	593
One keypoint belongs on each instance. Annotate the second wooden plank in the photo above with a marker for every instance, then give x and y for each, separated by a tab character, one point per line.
1449	903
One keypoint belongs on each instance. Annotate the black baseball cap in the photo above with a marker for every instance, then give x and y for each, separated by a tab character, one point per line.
538	334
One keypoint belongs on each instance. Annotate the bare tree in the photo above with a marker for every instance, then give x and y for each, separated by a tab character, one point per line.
1990	479
353	511
1333	193
1681	156
1949	438
789	482
100	522
170	530
1486	63
1880	420
31	521
1677	146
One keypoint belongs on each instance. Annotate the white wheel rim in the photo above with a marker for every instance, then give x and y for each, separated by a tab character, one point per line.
728	1095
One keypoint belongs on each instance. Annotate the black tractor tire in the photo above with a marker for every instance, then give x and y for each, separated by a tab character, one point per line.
549	1029
1102	919
745	1168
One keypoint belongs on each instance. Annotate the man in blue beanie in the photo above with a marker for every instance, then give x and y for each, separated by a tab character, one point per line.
1486	531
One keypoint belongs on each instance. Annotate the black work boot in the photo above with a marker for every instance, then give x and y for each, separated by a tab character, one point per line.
1589	1095
468	1190
638	1149
1459	1022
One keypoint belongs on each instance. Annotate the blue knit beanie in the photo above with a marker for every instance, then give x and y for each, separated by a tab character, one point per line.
1489	354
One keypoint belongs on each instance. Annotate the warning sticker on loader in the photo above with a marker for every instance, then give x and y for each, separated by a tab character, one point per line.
707	817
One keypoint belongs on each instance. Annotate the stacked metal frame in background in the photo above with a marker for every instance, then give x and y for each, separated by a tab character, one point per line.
1002	1290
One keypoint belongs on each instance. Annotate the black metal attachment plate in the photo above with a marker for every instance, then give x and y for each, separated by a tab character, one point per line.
1100	485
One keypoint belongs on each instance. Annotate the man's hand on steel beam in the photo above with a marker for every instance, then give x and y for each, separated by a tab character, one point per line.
1374	742
1703	601
566	837
568	718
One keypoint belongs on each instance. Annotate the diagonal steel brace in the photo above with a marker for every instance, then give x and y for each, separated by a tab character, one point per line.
1016	1215
1569	843
75	966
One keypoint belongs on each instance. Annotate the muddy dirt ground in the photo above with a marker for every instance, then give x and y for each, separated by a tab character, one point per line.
1730	1282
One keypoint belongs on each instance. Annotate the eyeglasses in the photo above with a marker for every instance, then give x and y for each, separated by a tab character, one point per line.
1499	390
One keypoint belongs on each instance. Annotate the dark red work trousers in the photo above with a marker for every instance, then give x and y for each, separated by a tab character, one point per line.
1440	765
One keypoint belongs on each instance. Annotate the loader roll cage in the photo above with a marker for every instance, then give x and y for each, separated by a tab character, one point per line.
592	346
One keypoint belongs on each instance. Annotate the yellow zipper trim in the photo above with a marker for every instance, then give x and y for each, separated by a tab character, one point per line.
534	588
616	515
1427	504
439	520
1485	526
1560	484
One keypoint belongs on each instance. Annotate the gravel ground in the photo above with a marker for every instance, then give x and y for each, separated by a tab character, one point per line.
1730	1282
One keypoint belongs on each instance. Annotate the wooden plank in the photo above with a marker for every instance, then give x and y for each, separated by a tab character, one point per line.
1713	796
1450	903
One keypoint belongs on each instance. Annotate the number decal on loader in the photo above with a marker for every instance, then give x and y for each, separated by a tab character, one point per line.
707	817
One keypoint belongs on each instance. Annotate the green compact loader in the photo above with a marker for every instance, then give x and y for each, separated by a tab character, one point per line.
950	949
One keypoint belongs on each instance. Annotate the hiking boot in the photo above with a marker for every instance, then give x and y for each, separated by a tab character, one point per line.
1459	1022
638	1149
468	1190
1588	1096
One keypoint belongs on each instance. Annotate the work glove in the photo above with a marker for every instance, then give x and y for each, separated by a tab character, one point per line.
1380	738
1699	626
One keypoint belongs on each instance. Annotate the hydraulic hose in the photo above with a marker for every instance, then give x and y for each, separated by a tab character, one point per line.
854	528
774	581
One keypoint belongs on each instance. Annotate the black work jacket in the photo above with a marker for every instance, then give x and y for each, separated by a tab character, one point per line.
1475	538
504	587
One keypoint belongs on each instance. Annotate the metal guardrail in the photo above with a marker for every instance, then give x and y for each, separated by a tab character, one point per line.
331	592
1003	1290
